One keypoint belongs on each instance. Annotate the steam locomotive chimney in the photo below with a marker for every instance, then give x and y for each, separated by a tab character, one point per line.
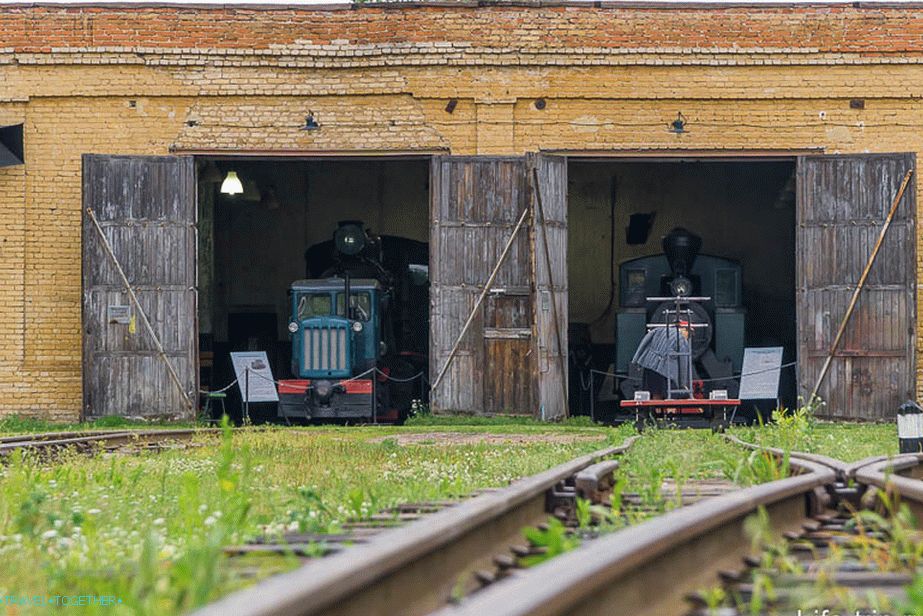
681	247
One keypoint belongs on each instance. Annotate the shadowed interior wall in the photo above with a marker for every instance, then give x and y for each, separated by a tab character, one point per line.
260	251
742	211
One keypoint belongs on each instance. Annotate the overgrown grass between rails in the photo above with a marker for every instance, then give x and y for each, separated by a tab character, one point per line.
682	456
799	430
150	529
886	539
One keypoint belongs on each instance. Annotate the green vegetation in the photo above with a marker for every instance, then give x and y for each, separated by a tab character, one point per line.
14	424
680	457
799	431
150	528
886	539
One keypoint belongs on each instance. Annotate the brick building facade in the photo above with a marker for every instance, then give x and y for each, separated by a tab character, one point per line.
156	80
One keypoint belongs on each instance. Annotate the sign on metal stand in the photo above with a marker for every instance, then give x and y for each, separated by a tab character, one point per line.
254	378
759	377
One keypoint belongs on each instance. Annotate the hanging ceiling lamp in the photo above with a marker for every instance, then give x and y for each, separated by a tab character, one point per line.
232	184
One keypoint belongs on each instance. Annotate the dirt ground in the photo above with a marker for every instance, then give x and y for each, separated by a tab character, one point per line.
473	438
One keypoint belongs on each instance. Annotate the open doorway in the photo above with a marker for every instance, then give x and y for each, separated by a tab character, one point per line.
743	211
278	228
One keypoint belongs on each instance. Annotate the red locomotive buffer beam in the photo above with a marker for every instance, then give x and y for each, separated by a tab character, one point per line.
300	386
350	399
691	406
688	411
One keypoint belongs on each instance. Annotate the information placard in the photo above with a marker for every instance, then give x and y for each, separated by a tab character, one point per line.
760	374
254	376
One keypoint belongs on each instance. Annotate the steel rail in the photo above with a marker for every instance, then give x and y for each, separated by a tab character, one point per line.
54	436
49	441
842	469
898	475
412	569
647	569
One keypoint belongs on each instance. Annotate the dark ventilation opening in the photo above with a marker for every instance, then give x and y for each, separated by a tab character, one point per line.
618	213
12	151
254	245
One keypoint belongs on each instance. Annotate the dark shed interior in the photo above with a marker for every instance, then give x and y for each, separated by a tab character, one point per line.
743	210
252	245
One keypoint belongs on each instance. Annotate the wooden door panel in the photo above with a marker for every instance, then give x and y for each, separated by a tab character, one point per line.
842	204
507	387
146	208
476	202
550	303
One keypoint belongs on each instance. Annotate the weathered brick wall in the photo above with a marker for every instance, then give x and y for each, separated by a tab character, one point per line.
155	80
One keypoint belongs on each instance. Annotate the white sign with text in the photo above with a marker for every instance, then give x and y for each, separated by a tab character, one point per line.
759	377
254	376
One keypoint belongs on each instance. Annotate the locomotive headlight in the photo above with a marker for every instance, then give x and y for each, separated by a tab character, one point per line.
681	286
293	327
357	326
349	239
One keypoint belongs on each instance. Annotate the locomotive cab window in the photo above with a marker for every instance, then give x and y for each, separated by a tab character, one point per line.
314	305
360	306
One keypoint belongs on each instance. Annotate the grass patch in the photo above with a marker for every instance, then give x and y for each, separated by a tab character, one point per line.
688	455
800	431
502	421
149	529
15	424
680	456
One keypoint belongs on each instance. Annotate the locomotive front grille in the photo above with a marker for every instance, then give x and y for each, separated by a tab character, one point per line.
326	348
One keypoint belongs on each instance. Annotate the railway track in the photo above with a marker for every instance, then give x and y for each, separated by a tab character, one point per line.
816	550
699	558
96	439
418	567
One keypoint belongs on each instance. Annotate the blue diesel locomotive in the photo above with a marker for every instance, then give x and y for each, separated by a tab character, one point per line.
361	359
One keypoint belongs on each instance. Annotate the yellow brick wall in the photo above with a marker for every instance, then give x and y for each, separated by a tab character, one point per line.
121	104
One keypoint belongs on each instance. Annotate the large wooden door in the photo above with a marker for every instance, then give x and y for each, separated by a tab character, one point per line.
146	207
550	240
842	204
476	202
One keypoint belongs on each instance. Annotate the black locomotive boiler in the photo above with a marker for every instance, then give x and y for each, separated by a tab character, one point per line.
717	335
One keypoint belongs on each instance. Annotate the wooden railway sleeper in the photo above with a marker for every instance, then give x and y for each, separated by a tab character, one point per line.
593	481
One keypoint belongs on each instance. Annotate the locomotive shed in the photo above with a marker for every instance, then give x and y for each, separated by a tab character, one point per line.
776	134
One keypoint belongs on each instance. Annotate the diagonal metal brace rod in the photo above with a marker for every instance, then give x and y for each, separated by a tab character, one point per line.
134	298
477	304
860	285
